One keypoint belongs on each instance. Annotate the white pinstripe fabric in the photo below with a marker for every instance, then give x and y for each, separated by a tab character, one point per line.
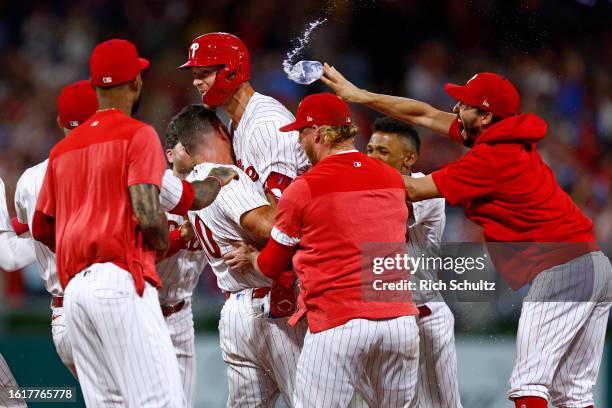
7	381
5	221
261	354
182	335
437	380
222	217
60	339
334	363
180	272
258	142
560	342
26	195
179	275
121	344
170	192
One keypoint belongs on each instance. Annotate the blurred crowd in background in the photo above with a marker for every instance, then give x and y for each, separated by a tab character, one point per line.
558	54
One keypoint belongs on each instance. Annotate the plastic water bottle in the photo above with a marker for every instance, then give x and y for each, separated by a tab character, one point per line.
305	72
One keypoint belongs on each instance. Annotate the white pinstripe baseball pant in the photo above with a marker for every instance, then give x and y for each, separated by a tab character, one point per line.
120	341
261	353
7	381
60	339
180	325
334	363
560	340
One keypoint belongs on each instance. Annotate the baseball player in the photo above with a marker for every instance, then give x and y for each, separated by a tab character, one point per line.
324	218
75	104
15	252
397	144
8	383
220	65
106	229
505	187
261	353
179	275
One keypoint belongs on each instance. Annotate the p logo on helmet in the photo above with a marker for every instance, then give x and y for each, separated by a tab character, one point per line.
220	49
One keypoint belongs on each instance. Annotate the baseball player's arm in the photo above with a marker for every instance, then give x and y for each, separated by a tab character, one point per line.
420	188
15	252
207	190
404	109
259	222
150	216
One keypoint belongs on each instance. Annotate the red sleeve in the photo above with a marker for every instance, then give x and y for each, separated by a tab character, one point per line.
454	133
175	244
146	161
186	200
289	215
276	184
19	227
470	177
46	197
43	229
275	258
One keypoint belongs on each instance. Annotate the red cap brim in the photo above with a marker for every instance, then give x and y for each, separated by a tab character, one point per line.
144	63
458	93
297	125
186	65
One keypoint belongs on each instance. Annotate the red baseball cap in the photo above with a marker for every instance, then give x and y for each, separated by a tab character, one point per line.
115	62
76	103
488	91
322	109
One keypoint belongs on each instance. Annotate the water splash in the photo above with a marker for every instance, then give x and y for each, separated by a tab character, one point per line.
301	43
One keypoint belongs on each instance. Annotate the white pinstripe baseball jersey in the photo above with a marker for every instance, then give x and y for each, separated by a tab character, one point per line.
259	146
219	224
26	194
5	221
180	272
171	191
425	228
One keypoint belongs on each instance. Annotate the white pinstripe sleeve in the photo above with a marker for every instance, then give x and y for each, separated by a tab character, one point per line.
5	221
240	196
284	239
171	191
272	151
21	199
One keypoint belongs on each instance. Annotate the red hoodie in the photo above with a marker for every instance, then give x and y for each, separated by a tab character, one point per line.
504	186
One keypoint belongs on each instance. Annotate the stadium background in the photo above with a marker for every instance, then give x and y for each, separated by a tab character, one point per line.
558	53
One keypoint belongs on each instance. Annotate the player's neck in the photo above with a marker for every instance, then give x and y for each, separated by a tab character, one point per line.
115	103
329	150
236	104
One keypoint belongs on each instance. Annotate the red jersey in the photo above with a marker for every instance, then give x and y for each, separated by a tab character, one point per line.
86	191
343	202
505	187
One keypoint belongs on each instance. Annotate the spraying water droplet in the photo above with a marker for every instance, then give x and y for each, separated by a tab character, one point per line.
303	72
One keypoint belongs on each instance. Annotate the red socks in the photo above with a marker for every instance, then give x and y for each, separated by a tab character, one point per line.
530	402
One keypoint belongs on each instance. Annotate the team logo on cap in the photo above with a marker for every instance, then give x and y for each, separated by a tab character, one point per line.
308	118
348	119
193	49
357	164
485	103
107	80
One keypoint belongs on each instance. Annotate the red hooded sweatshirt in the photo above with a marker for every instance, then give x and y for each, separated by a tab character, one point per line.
504	186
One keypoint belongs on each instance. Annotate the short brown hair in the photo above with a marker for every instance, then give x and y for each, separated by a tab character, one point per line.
186	126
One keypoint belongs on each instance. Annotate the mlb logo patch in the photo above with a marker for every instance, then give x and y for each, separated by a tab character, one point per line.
356	164
107	80
74	123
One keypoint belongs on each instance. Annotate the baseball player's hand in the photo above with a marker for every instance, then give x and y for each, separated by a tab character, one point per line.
223	174
243	258
187	233
342	86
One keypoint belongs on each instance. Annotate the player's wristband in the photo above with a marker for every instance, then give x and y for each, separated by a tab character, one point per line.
19	227
186	201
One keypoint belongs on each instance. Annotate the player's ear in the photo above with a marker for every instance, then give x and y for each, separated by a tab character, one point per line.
410	159
170	156
487	118
59	123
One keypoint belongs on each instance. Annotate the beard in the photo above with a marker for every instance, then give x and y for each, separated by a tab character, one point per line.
136	105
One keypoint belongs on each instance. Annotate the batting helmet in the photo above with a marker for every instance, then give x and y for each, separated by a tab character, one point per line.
220	49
